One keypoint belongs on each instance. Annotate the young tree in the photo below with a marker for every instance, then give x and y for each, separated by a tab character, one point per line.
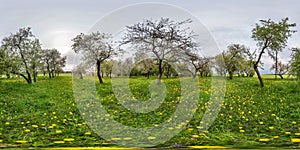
281	69
234	58
295	63
95	48
22	50
163	40
53	62
270	36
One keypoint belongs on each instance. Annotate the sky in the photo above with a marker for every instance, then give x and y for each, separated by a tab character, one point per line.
56	22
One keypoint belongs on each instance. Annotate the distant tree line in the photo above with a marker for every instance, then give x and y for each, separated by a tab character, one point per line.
21	54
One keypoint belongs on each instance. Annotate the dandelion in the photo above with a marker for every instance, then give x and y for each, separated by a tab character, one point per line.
287	132
171	128
22	122
261	123
27	130
264	140
71	113
190	129
7	123
195	136
43	124
298	134
1	141
69	139
53	113
21	141
151	138
271	128
127	139
295	140
273	115
51	127
58	131
35	126
59	142
276	137
294	122
242	131
155	125
115	139
87	133
240	127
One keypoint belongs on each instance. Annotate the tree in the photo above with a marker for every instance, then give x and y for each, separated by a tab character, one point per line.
22	54
270	37
53	62
219	65
281	68
79	70
95	48
199	64
295	63
163	40
144	64
234	58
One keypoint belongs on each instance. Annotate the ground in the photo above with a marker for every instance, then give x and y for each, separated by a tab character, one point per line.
45	113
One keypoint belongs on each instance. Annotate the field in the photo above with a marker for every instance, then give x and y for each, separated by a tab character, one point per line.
45	114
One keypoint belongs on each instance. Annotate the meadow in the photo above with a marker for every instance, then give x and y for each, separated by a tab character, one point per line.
45	114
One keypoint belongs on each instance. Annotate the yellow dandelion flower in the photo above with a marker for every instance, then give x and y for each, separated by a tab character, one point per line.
21	141
127	139
27	130
155	125
294	122
87	133
35	126
1	141
59	142
261	122
58	131
69	139
295	140
276	137
199	127
51	127
287	132
28	122
190	129
240	127
264	140
151	138
54	125
273	115
45	114
71	113
195	136
171	128
53	113
115	139
7	123
271	128
79	124
242	131
207	147
298	134
22	122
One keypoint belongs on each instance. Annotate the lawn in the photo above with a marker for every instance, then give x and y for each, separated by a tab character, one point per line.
45	114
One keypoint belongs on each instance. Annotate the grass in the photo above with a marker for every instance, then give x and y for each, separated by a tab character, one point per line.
45	114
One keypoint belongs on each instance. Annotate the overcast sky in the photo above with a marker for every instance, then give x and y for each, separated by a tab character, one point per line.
56	22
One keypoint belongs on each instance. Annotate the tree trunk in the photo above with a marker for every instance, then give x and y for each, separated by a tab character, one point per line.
230	75
160	72
258	75
280	75
98	72
276	65
34	76
81	76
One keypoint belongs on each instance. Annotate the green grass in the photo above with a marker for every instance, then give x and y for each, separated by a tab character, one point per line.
45	113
